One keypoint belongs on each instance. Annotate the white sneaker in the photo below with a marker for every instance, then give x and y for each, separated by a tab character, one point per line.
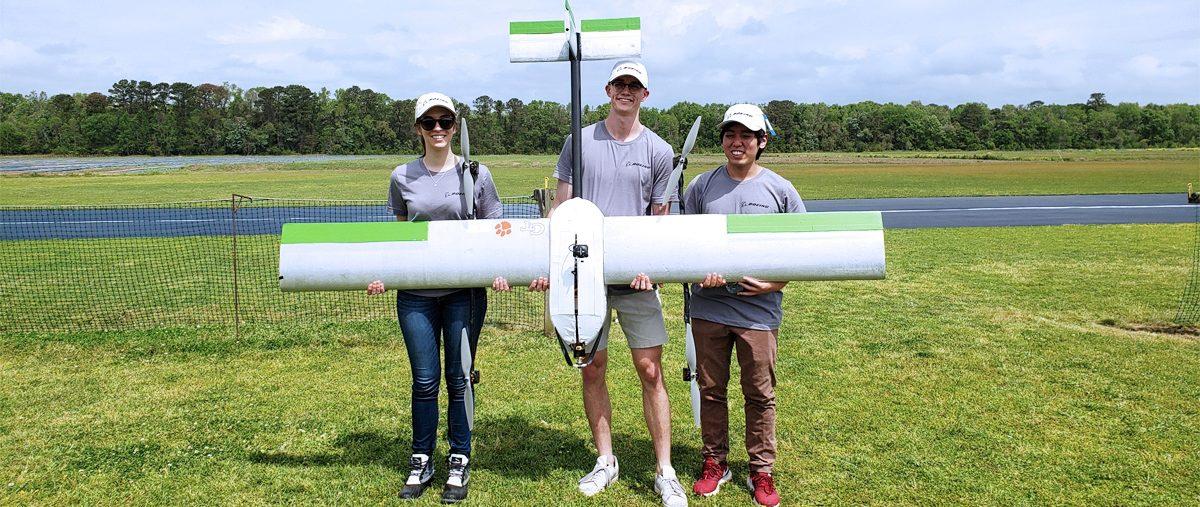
667	485
600	477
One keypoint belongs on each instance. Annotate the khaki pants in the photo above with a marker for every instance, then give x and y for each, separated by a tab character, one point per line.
756	356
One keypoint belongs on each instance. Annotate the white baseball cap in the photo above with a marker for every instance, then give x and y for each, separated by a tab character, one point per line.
748	115
631	68
431	100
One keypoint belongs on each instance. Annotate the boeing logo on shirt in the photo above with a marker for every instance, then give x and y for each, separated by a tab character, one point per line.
757	205
448	194
639	164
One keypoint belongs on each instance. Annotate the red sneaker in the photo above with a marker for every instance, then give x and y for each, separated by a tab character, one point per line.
762	487
712	477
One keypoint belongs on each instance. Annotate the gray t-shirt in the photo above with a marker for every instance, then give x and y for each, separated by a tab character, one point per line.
423	196
621	177
714	192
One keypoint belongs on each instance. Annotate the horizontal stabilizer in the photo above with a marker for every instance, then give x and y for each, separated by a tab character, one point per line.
600	39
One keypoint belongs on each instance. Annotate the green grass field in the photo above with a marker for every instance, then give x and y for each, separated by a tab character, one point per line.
976	373
993	366
816	175
107	284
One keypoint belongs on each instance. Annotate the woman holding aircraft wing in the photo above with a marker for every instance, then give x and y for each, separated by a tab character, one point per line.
440	186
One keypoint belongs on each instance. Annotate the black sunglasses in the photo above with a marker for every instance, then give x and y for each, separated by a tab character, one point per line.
632	86
427	123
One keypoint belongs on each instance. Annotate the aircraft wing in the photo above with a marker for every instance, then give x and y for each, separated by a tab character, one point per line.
674	248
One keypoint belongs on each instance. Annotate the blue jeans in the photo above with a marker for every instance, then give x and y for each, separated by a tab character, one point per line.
427	323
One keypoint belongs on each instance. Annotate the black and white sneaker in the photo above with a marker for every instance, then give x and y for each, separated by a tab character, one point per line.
456	483
420	476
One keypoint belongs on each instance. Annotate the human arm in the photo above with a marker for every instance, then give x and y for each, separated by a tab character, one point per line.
711	281
396	204
793	202
563	173
399	208
375	288
753	286
487	199
540	284
690	203
661	164
561	193
750	286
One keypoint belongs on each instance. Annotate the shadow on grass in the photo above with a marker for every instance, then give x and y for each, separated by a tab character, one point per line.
359	448
520	447
511	447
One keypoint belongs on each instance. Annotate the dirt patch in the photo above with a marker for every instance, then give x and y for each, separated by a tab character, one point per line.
1192	332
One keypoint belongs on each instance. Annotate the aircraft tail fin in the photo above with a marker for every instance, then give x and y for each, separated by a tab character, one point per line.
600	39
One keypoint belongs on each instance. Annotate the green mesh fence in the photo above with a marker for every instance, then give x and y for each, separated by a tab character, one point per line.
205	263
1189	304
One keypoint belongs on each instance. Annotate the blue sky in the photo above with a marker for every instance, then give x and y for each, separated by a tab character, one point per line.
944	52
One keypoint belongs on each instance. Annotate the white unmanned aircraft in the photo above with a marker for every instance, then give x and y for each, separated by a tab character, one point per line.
578	248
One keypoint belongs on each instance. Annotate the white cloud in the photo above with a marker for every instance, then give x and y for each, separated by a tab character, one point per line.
280	67
454	62
851	52
1148	66
276	29
678	20
14	53
940	51
964	57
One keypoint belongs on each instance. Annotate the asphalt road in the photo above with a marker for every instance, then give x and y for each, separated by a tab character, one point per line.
1021	210
68	223
17	165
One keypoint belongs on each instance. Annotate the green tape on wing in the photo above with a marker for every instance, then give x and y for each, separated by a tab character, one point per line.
535	27
805	222
610	24
354	232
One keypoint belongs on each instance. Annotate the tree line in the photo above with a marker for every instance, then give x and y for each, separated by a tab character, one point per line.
144	118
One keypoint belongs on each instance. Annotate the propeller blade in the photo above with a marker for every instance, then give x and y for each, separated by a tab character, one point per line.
690	354
691	138
677	172
465	139
468	181
695	402
469	393
469	191
673	180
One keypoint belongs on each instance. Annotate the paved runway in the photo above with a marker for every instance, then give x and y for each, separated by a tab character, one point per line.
1021	210
138	163
101	222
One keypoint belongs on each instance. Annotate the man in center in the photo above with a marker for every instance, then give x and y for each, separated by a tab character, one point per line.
625	172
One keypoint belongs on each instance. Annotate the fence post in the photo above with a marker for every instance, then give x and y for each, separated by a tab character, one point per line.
234	202
545	197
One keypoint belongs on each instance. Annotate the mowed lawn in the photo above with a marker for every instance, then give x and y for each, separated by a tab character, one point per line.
992	366
816	175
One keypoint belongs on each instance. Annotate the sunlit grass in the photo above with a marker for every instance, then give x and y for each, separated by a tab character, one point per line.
816	175
981	371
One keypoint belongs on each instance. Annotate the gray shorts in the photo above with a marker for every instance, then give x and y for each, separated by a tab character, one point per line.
641	319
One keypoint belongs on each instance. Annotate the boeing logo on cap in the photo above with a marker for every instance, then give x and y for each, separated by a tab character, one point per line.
631	68
748	115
